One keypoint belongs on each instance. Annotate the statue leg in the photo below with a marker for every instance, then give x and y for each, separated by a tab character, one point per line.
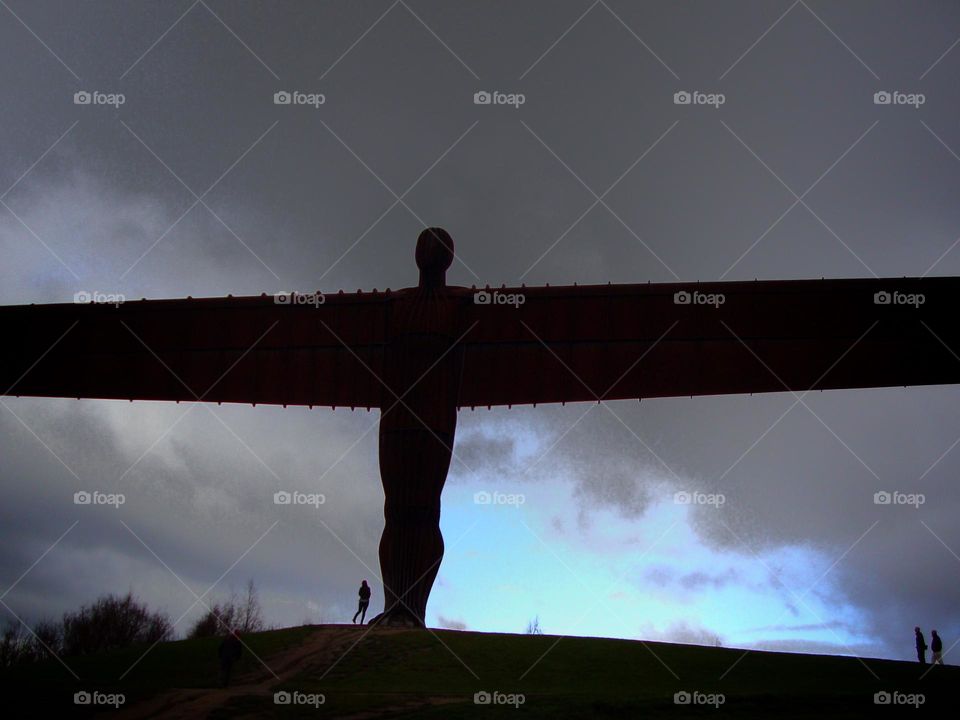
413	467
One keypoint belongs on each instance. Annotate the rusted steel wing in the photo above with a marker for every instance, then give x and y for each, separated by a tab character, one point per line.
563	344
245	350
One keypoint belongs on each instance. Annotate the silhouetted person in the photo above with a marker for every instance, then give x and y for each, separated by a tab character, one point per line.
921	646
364	602
936	646
230	649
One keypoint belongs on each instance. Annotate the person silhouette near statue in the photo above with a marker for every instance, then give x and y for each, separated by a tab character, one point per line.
364	594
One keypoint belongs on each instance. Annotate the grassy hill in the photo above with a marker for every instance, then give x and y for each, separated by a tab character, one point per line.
392	673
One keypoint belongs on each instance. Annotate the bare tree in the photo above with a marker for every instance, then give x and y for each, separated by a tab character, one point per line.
251	614
234	613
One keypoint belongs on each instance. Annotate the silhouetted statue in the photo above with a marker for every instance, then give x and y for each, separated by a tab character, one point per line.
921	646
420	354
230	649
936	647
364	594
422	367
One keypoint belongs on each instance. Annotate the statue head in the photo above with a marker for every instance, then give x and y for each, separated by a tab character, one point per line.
434	256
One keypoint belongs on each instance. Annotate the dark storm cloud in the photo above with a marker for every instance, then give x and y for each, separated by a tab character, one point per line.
194	510
667	577
697	580
493	454
609	469
834	625
304	198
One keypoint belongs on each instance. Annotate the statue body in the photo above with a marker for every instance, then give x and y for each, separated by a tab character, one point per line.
422	368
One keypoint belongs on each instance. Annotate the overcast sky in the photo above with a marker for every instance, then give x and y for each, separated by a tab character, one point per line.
200	184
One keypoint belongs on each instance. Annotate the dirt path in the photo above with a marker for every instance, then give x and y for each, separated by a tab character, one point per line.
319	650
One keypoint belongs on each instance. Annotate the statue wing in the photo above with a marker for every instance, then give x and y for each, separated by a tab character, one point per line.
241	350
611	342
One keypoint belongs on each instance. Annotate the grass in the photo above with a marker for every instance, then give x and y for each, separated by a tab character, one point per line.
144	671
435	674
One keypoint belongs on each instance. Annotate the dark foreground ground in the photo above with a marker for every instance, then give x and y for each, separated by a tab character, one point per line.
347	671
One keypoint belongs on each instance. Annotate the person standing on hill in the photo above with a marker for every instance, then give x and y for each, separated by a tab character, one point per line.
921	646
936	646
364	602
230	649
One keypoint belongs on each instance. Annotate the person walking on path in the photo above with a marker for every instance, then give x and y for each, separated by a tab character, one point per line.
230	649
